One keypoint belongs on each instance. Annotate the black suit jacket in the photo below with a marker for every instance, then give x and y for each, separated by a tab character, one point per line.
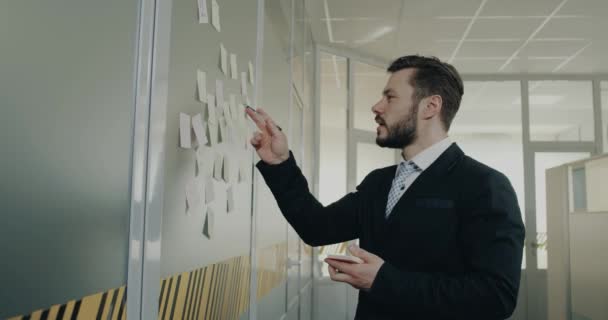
452	245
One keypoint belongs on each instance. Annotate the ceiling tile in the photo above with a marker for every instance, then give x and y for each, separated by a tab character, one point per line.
501	28
366	31
442	8
524	65
585	7
478	66
519	7
552	49
363	8
567	28
488	49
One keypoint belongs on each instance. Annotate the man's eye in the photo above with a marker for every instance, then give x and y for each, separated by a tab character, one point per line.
389	97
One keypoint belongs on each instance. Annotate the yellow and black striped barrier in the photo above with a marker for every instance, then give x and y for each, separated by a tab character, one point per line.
217	291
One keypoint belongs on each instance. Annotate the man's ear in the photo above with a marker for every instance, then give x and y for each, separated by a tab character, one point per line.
431	106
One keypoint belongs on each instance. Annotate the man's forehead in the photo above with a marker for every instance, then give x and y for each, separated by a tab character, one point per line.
398	80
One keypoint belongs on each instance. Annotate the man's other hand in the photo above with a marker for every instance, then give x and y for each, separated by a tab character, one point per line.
359	275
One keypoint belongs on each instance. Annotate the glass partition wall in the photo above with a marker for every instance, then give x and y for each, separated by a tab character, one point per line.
520	125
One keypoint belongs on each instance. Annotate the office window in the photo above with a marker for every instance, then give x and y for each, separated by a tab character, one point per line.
332	167
561	111
369	81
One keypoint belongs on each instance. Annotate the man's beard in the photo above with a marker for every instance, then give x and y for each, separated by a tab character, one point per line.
400	135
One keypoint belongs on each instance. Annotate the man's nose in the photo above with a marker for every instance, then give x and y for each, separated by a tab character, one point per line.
378	108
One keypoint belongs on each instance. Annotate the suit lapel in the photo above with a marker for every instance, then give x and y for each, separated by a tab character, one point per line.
428	179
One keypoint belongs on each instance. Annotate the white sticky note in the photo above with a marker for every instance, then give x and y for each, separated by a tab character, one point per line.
247	100
244	84
233	67
235	134
222	123
194	195
227	112
184	131
223	59
242	116
209	190
226	169
203	16
199	129
219	92
218	166
208	228
201	84
242	173
211	116
251	78
204	160
215	15
230	199
213	133
232	106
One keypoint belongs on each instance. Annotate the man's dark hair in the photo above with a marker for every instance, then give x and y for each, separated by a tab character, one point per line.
433	77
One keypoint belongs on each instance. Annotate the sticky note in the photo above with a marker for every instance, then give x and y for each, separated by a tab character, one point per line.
203	17
218	166
201	84
208	228
204	159
219	92
184	131
209	190
233	67
213	133
223	136
223	59
251	78
244	84
227	112
230	199
226	169
194	195
199	129
211	112
242	172
232	106
215	15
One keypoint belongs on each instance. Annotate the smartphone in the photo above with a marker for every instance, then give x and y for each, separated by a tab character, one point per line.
344	258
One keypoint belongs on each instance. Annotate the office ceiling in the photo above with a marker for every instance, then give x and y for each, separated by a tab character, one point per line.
477	36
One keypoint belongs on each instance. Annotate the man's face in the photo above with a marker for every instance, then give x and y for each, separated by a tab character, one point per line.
396	113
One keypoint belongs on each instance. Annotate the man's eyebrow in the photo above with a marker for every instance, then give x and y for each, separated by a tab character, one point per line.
388	91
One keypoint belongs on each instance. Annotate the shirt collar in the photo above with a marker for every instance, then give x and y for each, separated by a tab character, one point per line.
425	158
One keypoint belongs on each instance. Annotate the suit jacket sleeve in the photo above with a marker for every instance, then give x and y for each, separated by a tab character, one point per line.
315	224
492	235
